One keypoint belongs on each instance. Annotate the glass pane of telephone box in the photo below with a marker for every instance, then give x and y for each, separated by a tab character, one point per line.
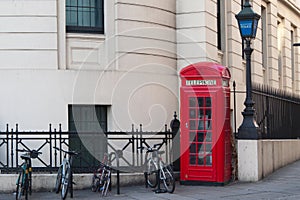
192	125
192	102
208	160
200	160
208	102
192	159
200	101
201	125
192	113
208	114
192	137
193	148
208	137
200	137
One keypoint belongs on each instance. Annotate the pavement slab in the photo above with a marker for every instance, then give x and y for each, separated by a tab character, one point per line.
282	184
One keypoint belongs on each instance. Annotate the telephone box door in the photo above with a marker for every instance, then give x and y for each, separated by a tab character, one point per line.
199	142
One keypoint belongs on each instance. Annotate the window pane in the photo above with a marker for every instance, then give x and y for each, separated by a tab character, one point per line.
201	114
208	160
208	113
192	136
200	148
200	102
208	102
193	148
192	159
192	113
93	17
200	137
93	3
208	125
200	160
201	125
192	102
208	137
208	148
192	125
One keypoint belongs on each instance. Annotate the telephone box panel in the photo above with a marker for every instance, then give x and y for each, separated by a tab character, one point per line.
205	124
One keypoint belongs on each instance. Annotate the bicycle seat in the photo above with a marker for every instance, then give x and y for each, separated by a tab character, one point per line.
160	152
25	156
72	153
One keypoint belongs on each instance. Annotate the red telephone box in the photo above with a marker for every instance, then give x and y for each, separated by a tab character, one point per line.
205	144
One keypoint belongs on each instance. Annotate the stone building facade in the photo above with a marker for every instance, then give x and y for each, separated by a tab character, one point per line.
125	56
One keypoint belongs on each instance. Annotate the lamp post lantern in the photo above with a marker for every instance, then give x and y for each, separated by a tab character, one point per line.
248	21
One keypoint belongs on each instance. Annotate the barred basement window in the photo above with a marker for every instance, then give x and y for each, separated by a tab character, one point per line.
84	16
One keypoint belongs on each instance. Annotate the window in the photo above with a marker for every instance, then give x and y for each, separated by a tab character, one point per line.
219	25
264	44
293	56
84	16
280	29
221	21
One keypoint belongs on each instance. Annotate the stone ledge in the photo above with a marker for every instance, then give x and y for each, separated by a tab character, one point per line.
46	182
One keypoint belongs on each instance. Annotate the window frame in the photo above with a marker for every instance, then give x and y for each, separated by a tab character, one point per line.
87	29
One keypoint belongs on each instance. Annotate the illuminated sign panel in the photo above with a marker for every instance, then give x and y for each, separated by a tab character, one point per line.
201	82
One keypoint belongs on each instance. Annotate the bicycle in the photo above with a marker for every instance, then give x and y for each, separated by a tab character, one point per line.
24	181
101	177
64	179
156	171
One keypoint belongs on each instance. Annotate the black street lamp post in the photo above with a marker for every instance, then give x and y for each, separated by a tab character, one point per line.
248	21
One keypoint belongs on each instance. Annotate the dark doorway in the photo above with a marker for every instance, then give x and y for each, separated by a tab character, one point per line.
88	125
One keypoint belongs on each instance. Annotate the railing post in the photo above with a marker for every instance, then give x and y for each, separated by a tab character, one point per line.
141	142
7	146
55	151
268	118
60	145
234	106
166	143
50	143
17	145
12	149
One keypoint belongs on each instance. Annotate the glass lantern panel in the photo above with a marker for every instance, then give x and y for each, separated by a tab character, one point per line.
246	27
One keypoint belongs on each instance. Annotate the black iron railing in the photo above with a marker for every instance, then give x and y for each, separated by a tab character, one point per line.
123	144
277	113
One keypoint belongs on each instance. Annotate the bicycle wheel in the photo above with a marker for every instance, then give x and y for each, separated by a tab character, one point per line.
106	182
19	191
95	183
26	187
58	180
29	182
151	174
66	182
167	176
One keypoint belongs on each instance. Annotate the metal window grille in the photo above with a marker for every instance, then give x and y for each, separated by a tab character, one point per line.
84	16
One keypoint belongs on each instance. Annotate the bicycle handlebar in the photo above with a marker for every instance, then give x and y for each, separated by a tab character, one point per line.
33	153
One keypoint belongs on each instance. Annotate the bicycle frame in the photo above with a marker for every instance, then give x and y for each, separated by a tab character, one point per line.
24	181
65	165
101	177
64	179
155	166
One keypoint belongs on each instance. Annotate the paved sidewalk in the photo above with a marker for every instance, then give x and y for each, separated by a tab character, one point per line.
283	184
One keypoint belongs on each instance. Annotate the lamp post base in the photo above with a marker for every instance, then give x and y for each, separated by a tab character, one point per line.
249	129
